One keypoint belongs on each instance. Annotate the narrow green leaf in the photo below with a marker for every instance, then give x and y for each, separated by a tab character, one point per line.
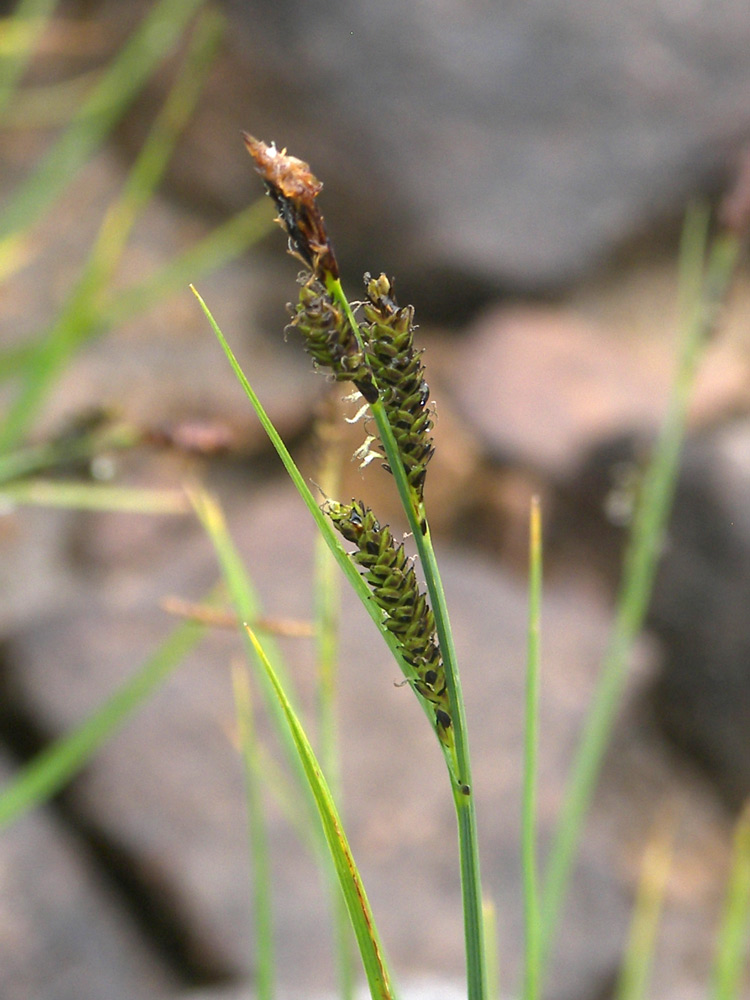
247	604
531	739
18	37
93	496
371	950
241	589
54	767
734	935
260	858
644	924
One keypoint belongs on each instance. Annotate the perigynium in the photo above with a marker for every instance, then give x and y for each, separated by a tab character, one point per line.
407	614
388	332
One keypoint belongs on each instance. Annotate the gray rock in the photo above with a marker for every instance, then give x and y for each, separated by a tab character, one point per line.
472	149
699	610
64	934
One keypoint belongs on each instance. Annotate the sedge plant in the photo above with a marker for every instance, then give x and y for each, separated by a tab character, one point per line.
372	348
369	344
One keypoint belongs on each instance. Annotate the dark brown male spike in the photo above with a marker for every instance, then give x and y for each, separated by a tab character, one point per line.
294	188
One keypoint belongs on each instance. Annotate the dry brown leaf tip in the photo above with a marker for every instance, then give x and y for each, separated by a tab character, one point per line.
294	188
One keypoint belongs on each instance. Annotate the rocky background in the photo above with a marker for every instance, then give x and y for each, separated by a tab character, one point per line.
522	169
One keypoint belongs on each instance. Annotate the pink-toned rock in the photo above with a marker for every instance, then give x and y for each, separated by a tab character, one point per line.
542	385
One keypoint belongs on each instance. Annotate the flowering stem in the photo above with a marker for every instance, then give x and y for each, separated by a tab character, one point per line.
461	775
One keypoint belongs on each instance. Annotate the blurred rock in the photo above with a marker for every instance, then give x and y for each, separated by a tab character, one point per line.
699	610
471	151
543	387
64	934
34	572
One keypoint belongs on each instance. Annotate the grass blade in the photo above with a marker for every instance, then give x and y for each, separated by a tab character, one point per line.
93	496
241	590
246	602
531	740
644	925
260	858
54	767
371	951
18	38
734	934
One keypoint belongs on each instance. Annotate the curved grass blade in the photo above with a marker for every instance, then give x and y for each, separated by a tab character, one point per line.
365	931
247	605
327	611
246	602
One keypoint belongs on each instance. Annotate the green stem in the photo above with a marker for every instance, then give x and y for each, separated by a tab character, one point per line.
461	780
